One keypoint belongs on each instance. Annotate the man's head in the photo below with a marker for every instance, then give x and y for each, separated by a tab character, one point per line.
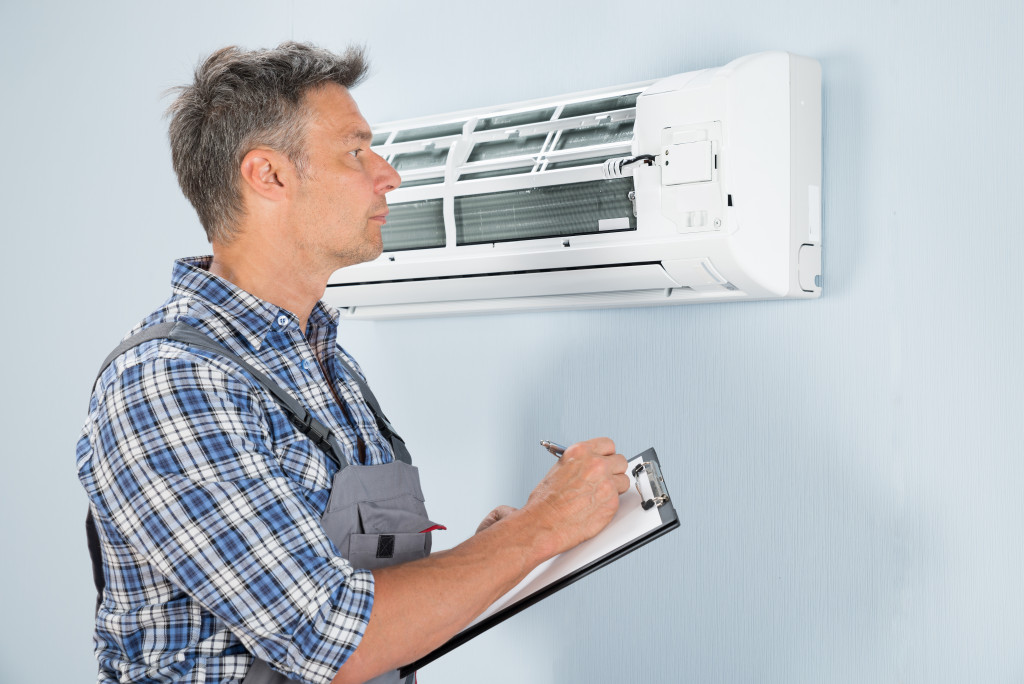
245	100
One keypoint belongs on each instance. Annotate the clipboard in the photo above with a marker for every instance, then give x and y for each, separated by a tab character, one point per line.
645	513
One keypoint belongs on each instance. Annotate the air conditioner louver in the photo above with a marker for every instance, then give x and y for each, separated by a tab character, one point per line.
500	285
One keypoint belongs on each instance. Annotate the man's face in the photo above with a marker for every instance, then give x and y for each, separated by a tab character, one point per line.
340	205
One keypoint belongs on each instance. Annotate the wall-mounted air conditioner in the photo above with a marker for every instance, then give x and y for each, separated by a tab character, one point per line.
700	187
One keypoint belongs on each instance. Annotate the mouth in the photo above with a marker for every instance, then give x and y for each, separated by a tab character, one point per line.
382	217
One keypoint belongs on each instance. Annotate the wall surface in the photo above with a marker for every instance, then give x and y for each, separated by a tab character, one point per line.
848	470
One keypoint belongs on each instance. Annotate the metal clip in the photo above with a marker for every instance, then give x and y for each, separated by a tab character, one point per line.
657	482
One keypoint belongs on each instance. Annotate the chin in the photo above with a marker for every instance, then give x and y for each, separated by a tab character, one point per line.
377	250
368	252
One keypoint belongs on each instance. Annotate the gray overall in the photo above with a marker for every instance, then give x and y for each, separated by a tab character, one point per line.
376	518
375	515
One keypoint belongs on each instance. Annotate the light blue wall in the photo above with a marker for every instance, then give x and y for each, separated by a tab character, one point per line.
848	470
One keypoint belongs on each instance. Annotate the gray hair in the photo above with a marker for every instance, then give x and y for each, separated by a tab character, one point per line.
241	100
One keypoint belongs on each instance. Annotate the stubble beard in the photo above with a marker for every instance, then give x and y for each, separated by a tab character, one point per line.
367	249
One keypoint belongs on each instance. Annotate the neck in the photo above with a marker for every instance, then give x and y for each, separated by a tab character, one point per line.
271	274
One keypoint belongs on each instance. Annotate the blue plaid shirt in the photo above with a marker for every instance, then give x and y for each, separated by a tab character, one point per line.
208	501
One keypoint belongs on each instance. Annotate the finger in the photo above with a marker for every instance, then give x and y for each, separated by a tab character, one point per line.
503	511
491	518
619	463
494	516
602	445
573	452
623	483
599	446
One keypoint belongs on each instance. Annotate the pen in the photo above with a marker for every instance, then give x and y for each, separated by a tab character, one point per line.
555	449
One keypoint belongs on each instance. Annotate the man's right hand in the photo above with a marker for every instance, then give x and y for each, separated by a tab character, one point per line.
579	495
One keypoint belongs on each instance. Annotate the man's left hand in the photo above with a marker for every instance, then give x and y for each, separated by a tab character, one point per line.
494	516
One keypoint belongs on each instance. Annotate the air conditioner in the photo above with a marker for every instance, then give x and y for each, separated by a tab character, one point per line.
700	187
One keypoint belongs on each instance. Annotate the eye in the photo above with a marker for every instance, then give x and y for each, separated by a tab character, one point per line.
355	153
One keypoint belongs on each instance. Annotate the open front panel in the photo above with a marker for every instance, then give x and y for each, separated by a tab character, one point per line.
495	177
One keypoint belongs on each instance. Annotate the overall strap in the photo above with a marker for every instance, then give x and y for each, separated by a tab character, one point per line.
383	424
304	421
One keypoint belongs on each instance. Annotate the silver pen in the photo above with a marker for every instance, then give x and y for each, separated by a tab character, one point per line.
556	449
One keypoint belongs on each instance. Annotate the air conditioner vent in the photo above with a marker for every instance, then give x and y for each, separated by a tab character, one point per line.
605	104
420	160
427	132
602	134
515	170
515	119
513	147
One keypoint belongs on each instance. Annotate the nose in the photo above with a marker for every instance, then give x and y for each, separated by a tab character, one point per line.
387	178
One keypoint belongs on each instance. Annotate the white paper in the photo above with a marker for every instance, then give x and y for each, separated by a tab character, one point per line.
630	521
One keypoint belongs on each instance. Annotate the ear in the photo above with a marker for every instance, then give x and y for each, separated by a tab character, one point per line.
268	173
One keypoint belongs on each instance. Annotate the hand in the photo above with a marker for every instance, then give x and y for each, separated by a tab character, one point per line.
579	495
494	516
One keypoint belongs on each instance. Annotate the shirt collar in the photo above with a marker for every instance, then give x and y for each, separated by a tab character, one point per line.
322	327
251	316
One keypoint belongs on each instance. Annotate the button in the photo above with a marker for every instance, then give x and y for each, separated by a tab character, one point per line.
696	219
282	320
306	365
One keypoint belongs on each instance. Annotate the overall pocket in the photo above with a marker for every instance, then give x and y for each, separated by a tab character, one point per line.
389	533
372	551
376	516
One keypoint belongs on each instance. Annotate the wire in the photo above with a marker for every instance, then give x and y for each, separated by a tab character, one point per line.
642	157
613	167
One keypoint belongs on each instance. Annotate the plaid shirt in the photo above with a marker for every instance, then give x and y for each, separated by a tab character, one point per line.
208	501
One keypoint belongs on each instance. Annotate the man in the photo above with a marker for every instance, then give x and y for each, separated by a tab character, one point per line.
217	514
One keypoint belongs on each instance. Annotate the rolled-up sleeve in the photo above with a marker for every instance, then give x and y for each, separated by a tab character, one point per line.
182	466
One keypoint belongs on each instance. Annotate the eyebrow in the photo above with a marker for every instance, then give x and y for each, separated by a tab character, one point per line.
361	135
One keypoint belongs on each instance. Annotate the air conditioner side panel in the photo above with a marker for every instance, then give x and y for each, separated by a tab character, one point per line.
805	105
762	114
